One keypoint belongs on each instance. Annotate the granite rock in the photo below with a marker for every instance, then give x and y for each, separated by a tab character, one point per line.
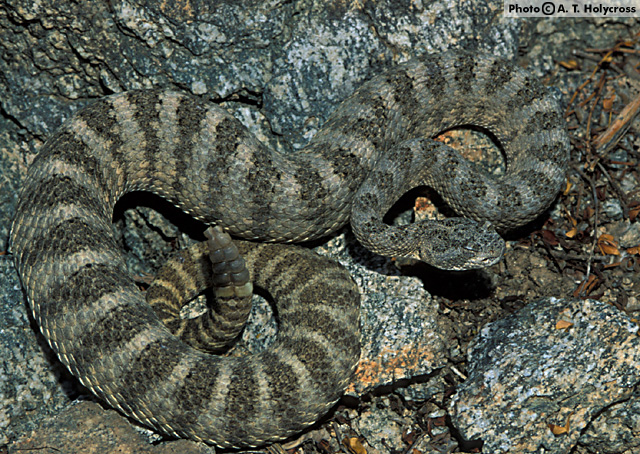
554	366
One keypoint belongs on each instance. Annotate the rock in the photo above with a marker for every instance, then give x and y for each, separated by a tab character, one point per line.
402	336
554	365
32	381
86	427
616	429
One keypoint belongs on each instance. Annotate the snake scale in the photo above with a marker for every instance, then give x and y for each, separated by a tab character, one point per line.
372	149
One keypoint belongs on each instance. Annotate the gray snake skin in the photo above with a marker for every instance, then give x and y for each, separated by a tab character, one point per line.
372	149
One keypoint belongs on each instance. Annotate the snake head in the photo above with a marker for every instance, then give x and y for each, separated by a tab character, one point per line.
460	244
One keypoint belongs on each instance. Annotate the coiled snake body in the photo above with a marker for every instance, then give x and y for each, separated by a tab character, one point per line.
373	148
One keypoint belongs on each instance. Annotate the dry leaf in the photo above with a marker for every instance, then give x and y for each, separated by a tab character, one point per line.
574	231
550	238
607	245
633	250
560	430
563	324
354	445
586	287
569	64
607	103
